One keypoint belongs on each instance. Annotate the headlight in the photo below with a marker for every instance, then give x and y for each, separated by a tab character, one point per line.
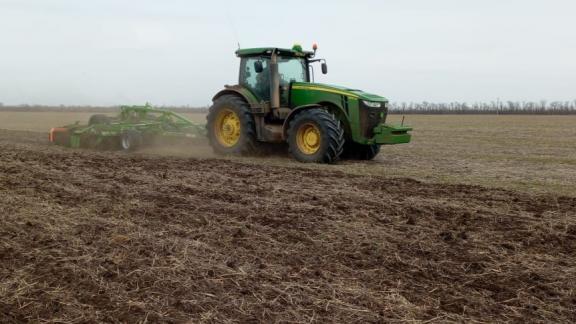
372	104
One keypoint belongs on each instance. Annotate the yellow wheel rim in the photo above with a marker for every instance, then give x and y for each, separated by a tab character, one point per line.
227	128
308	139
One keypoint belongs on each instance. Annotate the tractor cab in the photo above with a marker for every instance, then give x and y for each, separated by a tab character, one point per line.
269	72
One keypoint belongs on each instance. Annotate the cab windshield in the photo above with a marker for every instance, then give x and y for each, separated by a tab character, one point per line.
292	69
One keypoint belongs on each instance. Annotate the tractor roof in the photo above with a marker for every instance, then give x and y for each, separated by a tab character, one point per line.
296	51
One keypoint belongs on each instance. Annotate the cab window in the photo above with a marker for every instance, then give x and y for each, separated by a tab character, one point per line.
258	83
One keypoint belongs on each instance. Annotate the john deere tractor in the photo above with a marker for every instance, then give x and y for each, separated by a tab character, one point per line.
276	101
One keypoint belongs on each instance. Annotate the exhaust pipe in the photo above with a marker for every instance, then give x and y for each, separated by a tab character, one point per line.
275	86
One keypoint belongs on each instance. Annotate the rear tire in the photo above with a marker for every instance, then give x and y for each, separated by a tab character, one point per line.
316	135
231	128
98	119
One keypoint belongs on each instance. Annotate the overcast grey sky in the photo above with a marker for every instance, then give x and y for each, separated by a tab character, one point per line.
179	52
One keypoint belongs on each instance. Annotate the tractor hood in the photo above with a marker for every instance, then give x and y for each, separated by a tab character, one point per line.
354	93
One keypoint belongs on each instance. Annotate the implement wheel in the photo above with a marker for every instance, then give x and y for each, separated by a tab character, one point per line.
315	135
131	140
231	126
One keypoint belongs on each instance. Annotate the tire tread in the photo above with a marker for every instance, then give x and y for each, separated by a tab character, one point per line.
335	135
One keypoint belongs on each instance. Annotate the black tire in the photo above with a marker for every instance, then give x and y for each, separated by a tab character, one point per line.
98	119
130	140
246	143
331	136
364	152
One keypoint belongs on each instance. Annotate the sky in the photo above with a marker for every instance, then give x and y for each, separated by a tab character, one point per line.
181	52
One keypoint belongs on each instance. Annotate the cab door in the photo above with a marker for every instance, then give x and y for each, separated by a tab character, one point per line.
255	76
291	69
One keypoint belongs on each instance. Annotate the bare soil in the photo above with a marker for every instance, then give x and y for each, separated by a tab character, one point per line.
107	237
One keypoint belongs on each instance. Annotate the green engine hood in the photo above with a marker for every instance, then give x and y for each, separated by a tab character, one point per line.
354	93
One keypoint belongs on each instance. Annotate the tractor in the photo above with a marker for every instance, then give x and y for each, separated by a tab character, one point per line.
277	101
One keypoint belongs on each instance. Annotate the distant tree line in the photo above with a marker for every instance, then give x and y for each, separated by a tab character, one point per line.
493	108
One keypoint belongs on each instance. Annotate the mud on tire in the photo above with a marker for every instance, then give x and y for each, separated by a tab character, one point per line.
331	136
246	143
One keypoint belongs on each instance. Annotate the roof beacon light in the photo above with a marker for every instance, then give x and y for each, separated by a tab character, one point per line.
315	46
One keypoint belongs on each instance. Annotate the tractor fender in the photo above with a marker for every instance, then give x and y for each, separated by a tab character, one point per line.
237	90
291	116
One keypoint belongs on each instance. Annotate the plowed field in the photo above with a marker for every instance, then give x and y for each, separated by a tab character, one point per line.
108	237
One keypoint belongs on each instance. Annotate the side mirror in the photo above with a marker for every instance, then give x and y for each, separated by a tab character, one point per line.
324	68
258	67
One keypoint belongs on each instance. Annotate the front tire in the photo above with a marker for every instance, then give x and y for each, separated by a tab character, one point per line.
315	135
231	127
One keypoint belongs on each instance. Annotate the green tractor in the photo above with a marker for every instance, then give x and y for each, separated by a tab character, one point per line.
276	101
